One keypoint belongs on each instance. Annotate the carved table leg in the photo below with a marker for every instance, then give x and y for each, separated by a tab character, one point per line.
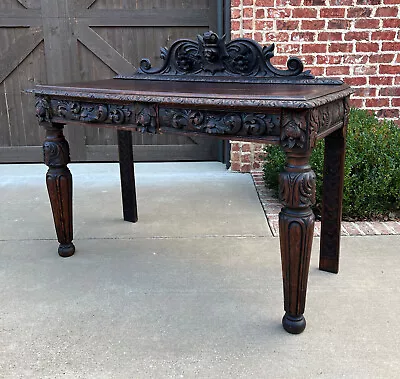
332	200
296	227
127	173
59	185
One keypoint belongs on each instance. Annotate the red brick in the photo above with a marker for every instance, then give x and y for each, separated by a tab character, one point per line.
318	71
246	147
279	13
314	48
235	166
235	25
356	103
358	36
338	24
391	23
365	92
313	25
365	70
330	36
284	3
356	81
366	23
235	146
381	80
386	12
247	24
329	59
341	2
396	102
264	3
288	48
277	37
332	12
264	25
390	91
286	25
338	70
235	13
355	59
308	59
388	113
391	46
304	13
314	2
379	102
367	47
358	12
366	229
351	229
248	12
235	156
235	3
257	36
246	167
395	226
383	35
260	13
397	80
368	2
340	47
390	1
303	36
280	60
389	69
246	158
381	58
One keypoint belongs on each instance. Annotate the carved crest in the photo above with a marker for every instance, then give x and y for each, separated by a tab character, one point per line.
211	58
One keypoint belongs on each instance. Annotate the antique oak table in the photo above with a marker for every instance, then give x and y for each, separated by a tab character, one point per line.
220	90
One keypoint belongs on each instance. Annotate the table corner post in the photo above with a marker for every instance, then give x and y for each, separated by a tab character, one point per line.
59	184
296	219
334	156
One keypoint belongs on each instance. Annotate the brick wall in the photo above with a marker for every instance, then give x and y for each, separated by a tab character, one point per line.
355	40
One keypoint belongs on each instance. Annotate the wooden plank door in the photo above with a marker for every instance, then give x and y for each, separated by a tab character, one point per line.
47	41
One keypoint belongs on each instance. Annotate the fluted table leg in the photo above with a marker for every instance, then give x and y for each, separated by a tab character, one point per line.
59	185
296	227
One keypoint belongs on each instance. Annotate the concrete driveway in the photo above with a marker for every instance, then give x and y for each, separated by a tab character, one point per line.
193	290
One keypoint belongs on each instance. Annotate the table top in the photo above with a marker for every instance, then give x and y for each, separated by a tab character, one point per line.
199	93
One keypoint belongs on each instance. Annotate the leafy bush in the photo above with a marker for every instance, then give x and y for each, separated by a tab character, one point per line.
372	168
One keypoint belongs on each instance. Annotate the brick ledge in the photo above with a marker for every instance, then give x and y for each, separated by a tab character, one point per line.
272	207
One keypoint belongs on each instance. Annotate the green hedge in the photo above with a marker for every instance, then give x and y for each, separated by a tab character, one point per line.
372	168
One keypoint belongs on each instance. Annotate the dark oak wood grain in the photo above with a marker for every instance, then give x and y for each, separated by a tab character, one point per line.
292	115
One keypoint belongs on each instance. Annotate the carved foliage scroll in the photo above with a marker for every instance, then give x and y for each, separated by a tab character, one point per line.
212	57
233	123
143	115
90	112
55	148
297	189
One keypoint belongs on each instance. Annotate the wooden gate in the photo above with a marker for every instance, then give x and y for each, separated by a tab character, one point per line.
48	41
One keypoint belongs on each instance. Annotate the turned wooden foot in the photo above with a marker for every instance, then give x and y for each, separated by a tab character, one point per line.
296	228
59	186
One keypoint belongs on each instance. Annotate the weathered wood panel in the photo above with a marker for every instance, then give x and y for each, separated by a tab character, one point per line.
47	41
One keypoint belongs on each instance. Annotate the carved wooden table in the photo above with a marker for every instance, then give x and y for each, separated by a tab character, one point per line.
221	90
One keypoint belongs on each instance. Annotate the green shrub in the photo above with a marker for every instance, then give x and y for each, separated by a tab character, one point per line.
372	168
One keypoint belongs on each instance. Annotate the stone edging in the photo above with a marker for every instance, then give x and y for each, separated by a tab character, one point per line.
272	207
